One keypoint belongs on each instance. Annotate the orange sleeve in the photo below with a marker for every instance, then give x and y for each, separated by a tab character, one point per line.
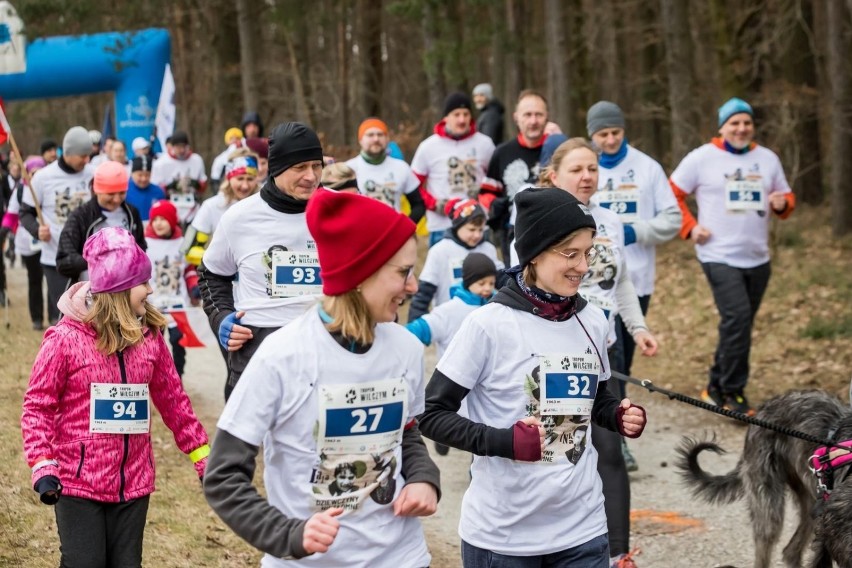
689	220
791	204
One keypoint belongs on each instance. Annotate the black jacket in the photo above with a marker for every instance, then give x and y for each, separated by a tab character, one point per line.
490	121
83	222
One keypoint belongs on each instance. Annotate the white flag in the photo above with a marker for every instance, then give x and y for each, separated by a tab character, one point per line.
165	121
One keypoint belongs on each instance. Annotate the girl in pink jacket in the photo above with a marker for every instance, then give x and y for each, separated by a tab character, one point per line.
87	409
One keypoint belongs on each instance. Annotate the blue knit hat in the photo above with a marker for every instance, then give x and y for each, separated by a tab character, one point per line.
732	107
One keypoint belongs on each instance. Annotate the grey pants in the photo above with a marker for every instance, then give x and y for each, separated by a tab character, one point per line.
56	286
93	534
738	293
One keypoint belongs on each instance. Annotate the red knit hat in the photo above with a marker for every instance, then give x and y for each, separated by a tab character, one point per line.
165	209
355	235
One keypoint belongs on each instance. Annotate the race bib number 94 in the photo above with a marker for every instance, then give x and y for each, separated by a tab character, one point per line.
119	409
569	383
295	274
363	418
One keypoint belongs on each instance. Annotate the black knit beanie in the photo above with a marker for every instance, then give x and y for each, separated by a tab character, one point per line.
141	164
476	266
455	101
546	215
292	143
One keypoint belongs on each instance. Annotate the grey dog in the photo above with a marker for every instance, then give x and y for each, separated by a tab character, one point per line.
770	463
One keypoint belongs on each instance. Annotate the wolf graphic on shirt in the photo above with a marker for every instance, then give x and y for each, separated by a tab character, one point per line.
462	176
167	275
67	201
384	192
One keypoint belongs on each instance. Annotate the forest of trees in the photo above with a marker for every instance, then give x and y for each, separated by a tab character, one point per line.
668	63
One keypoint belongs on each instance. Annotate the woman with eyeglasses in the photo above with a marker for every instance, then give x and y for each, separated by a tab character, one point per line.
333	397
532	368
574	168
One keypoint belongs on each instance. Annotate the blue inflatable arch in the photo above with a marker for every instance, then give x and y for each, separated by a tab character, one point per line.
130	63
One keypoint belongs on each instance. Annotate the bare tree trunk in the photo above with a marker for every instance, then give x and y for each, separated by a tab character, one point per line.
369	62
248	70
559	87
678	49
839	44
343	51
514	62
433	59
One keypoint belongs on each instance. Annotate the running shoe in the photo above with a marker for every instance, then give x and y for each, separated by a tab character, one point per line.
712	395
625	560
737	402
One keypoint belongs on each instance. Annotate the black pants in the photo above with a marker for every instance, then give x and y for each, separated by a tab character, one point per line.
612	469
56	286
737	293
178	350
93	534
627	339
35	290
237	360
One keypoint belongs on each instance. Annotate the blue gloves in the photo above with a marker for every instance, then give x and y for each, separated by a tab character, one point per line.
629	235
226	327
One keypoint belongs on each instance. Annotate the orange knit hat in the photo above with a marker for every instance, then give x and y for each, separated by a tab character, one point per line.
372	123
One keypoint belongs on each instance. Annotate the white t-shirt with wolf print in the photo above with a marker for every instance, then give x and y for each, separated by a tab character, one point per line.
59	194
386	182
452	168
600	282
167	275
330	422
245	243
522	508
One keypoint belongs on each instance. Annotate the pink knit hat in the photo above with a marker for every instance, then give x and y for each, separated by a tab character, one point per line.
116	263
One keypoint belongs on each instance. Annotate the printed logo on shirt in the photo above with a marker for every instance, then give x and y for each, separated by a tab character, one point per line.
167	274
67	201
462	176
384	192
604	267
565	435
516	174
745	192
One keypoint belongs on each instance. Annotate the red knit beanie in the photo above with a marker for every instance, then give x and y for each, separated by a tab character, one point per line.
165	209
355	235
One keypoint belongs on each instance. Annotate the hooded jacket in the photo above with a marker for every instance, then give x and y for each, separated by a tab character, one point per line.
490	121
112	468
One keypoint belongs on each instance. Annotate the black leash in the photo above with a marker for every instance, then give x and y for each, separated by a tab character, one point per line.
651	387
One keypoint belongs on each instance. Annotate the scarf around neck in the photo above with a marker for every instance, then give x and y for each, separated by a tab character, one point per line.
549	306
280	201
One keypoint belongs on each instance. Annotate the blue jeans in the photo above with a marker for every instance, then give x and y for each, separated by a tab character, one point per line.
592	554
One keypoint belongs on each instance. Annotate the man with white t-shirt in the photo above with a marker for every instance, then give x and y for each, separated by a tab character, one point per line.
381	176
633	185
180	172
452	162
60	188
737	185
261	269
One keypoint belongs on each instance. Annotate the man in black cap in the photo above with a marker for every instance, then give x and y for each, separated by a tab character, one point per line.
48	150
261	269
452	162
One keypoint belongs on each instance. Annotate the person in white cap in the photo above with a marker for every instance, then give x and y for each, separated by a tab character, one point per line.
60	188
491	111
140	147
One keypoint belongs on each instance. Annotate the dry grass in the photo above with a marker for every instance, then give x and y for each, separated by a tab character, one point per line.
801	339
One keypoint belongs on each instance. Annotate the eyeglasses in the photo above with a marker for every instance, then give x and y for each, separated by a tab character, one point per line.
574	257
406	271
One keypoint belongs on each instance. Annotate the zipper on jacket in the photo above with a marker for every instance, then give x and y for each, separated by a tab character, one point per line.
126	436
82	457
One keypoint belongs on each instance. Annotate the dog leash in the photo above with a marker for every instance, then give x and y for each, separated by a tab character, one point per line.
648	385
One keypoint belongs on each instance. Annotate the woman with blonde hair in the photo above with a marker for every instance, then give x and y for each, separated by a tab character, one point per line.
339	177
87	410
240	182
334	393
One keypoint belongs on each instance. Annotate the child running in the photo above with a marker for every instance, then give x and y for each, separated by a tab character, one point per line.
479	275
173	280
87	410
333	396
443	264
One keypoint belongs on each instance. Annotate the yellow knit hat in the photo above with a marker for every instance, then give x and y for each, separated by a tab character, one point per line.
232	132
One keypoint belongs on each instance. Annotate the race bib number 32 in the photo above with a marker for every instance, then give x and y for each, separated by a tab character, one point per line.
362	418
119	409
295	274
569	383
